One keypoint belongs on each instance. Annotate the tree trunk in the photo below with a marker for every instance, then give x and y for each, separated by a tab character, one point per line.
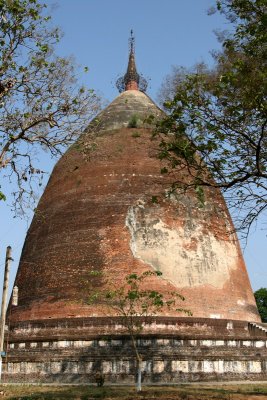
139	376
139	364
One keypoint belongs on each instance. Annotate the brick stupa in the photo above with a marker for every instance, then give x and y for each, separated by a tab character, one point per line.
97	215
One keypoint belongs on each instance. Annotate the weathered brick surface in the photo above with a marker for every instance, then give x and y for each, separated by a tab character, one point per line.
84	328
96	223
180	349
97	214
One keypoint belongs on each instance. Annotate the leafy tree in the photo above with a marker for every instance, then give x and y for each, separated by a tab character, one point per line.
41	105
261	301
133	301
173	80
216	128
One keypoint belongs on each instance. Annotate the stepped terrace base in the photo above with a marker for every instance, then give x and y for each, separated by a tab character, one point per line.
173	350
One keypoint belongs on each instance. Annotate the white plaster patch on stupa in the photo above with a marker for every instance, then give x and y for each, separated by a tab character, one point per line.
185	257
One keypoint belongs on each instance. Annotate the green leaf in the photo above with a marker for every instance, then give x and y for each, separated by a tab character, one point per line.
200	194
164	170
154	199
2	196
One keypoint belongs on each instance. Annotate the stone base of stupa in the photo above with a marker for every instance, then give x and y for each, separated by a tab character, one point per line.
173	350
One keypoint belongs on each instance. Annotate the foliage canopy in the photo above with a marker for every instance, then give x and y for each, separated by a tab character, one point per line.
41	105
216	127
261	301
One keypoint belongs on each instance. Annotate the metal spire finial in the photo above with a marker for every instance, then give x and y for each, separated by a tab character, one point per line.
132	42
131	80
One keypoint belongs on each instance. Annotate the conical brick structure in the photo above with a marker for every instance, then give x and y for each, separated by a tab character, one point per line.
97	214
98	221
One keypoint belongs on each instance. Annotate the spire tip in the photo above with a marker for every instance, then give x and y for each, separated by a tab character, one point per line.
131	80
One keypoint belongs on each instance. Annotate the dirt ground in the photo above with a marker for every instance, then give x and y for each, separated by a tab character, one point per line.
238	391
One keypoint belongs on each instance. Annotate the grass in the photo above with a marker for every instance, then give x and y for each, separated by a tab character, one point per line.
133	123
179	392
136	134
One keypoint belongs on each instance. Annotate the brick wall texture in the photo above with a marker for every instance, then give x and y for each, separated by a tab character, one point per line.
97	222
